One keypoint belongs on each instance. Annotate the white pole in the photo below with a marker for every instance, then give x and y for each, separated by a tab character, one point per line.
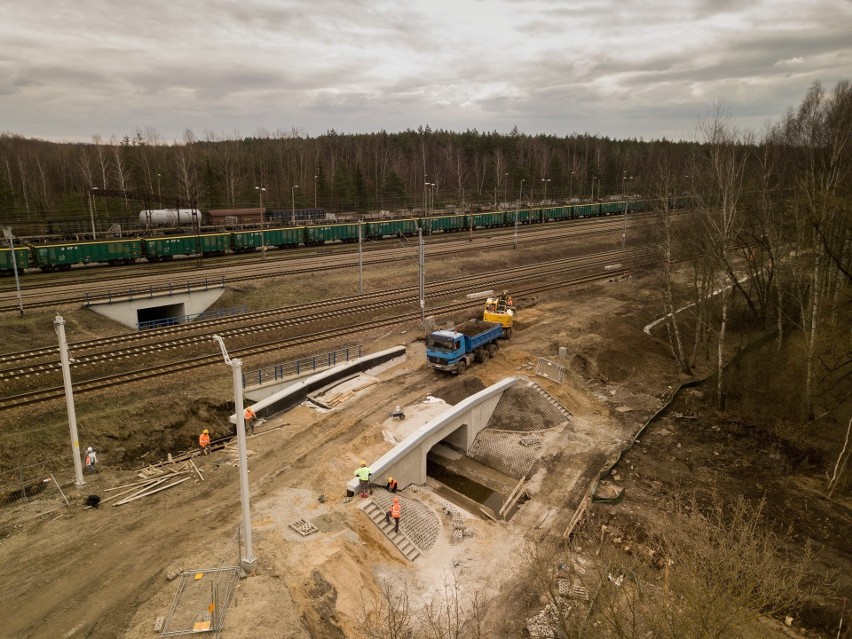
422	260
249	561
624	195
9	236
360	261
92	211
260	190
516	229
59	326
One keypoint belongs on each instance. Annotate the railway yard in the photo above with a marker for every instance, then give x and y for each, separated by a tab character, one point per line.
143	397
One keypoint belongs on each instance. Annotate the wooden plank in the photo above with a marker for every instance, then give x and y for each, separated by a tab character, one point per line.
137	489
60	490
156	490
508	501
577	515
138	483
196	469
488	513
233	444
509	504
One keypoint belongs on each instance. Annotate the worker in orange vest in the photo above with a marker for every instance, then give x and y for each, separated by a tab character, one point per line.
204	441
392	485
248	417
395	511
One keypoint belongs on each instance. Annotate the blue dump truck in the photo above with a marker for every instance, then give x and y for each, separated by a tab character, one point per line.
454	350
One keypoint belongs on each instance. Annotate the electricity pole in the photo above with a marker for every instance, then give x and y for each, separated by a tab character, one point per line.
249	561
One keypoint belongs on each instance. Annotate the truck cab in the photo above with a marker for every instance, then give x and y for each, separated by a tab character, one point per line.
444	349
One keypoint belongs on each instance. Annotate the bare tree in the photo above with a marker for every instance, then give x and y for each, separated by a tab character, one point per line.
722	168
819	132
450	615
665	237
386	614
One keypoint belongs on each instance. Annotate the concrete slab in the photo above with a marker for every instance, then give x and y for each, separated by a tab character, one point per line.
126	310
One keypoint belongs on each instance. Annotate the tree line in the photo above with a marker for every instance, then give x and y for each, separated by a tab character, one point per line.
408	171
768	232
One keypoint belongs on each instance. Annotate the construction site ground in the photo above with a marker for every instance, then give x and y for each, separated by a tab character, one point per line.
102	572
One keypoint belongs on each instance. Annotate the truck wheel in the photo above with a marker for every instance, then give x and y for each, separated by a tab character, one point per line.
461	367
492	349
508	333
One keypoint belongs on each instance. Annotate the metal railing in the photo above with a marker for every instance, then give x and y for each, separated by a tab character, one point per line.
194	317
299	367
170	289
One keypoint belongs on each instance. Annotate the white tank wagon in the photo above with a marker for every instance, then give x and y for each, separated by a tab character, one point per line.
170	217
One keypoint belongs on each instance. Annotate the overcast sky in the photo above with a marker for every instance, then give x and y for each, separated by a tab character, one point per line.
620	68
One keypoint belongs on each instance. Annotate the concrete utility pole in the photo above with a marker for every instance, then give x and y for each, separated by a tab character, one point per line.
249	561
59	326
7	232
360	260
517	213
422	283
260	190
92	210
624	196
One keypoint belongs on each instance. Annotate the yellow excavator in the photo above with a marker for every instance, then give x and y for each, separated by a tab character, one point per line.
501	310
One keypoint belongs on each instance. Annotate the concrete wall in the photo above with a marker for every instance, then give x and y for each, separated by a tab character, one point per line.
126	311
295	394
458	426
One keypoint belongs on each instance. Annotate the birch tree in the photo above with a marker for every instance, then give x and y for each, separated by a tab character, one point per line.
722	168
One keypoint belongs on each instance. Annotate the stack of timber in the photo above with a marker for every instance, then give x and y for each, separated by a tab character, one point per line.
154	480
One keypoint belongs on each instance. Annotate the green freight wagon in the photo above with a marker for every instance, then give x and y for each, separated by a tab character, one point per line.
393	228
444	223
523	216
53	257
488	220
165	248
22	260
556	213
322	233
636	205
612	208
586	210
289	237
248	241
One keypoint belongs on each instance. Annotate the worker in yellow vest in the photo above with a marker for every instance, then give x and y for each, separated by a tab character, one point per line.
363	474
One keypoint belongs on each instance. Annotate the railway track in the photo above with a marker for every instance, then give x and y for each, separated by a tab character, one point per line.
22	364
82	292
135	376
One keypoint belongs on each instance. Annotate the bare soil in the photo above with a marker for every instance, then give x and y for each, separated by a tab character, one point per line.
102	572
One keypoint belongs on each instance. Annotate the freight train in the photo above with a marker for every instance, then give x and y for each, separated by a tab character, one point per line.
62	256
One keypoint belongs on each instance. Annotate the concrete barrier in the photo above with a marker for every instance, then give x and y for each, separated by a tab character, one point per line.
296	393
458	426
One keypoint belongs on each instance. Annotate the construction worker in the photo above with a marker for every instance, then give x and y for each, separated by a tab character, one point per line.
363	474
248	417
204	441
395	511
392	485
91	460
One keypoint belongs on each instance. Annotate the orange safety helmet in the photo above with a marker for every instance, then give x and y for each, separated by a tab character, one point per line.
396	500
